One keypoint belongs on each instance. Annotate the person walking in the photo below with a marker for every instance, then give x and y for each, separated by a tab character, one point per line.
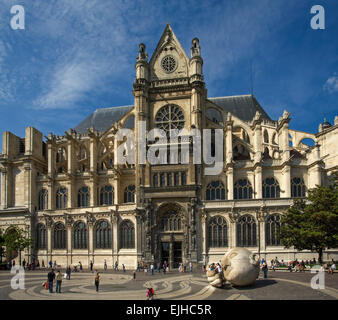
265	269
43	264
152	269
105	265
51	278
116	266
190	266
58	282
91	266
138	267
123	268
164	268
50	263
68	271
97	281
134	275
80	264
55	264
24	263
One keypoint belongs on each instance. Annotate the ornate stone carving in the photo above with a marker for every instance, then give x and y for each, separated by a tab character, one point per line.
233	215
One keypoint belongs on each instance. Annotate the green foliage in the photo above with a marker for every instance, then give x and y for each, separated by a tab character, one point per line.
313	224
16	239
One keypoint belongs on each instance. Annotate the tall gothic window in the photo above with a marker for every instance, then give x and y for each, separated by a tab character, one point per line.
298	188
43	199
183	178
217	232
40	240
59	236
272	230
171	221
155	180
176	179
162	179
102	235
106	195
129	194
169	117
242	189
215	191
169	183
83	197
80	235
271	188
61	198
246	231
127	235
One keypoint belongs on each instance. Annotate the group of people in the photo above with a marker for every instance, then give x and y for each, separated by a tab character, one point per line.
57	278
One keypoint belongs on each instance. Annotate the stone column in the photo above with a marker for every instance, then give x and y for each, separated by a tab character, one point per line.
69	224
230	183
116	190
233	219
258	183
115	244
90	223
204	236
49	239
4	189
286	186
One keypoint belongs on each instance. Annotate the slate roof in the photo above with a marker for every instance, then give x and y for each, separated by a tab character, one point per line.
102	119
244	107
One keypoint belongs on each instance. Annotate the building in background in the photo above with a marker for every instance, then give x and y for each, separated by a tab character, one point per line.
80	205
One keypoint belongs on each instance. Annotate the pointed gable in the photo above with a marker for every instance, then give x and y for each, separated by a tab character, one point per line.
169	59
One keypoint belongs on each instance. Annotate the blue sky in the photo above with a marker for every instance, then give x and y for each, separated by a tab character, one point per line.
76	56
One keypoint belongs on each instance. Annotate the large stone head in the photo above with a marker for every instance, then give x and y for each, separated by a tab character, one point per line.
240	267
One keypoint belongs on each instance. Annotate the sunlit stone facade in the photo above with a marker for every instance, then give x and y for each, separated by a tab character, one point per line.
79	204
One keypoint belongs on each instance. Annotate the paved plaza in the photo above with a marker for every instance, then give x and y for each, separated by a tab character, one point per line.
173	286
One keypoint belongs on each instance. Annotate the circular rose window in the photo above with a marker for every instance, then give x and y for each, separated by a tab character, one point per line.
168	64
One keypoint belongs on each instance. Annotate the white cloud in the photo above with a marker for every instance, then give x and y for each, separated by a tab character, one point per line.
331	84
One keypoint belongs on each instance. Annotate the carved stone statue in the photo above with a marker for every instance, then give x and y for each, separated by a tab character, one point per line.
240	267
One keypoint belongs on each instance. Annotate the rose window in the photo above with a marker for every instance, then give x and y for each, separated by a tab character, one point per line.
168	64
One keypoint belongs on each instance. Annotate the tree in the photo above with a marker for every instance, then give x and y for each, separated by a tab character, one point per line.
313	224
16	240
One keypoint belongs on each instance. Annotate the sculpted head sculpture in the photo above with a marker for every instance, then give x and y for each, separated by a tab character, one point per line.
240	267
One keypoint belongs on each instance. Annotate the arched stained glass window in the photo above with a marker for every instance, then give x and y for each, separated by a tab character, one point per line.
102	235
80	234
127	235
298	188
83	197
215	191
169	117
171	221
272	230
43	199
59	236
246	231
217	232
41	238
61	198
106	195
271	188
129	194
242	189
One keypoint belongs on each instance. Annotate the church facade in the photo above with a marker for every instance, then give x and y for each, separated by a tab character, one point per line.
79	204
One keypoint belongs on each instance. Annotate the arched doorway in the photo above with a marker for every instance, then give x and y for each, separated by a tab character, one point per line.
171	238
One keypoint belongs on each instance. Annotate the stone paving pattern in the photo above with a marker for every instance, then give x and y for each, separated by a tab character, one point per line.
173	286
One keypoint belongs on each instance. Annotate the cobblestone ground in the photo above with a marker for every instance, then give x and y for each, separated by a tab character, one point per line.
172	286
